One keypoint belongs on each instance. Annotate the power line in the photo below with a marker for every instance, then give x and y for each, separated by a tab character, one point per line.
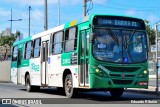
90	7
120	4
117	8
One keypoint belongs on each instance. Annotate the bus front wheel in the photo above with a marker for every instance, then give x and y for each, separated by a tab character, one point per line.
69	90
116	92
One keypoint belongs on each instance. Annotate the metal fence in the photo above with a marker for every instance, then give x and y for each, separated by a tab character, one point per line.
152	64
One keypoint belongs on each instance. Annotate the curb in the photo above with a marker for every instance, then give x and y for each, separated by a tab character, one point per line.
5	82
144	91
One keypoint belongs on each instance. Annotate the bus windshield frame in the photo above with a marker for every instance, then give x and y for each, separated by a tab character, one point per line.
122	46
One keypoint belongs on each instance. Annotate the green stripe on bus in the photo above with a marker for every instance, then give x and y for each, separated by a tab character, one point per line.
23	63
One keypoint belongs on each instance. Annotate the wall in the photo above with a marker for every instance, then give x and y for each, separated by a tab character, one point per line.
5	71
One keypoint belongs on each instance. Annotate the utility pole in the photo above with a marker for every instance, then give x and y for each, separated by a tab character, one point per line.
11	20
84	7
58	12
157	87
45	16
29	20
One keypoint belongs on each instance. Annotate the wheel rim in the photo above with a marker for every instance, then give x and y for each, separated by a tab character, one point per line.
68	85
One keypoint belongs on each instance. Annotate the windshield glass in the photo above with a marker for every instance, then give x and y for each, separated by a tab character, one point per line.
120	46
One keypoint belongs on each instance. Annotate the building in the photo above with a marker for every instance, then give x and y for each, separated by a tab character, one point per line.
4	49
6	32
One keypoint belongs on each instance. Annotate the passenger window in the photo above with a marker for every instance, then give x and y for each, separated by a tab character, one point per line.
57	43
28	50
70	39
15	53
36	50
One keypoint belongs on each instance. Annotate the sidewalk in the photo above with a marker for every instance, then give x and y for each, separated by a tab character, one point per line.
150	90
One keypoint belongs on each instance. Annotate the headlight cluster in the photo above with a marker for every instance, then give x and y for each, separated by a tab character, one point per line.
99	72
143	74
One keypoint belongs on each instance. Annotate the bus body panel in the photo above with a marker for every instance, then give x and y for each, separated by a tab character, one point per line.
35	71
14	75
55	71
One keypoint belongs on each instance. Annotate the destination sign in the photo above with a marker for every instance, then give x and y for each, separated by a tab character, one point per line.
119	22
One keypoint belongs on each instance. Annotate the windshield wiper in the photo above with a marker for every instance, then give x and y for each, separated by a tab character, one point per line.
127	44
112	35
133	32
126	48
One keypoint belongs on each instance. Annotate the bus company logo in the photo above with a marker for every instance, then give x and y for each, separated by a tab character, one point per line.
66	61
123	75
34	67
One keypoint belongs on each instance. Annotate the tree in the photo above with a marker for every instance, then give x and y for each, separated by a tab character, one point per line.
150	32
6	42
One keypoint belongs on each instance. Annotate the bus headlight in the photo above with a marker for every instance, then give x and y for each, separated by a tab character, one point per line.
97	70
145	71
143	74
100	73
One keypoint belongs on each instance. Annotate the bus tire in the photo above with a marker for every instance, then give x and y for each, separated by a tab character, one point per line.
68	86
28	84
116	92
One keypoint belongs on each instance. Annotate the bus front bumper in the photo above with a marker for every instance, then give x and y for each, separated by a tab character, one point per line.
104	82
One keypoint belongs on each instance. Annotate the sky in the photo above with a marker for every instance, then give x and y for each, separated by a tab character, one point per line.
71	10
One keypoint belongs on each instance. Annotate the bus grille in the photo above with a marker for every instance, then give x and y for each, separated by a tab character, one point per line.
122	82
122	69
120	75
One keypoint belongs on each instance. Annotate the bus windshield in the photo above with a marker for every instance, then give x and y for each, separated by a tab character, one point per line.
120	46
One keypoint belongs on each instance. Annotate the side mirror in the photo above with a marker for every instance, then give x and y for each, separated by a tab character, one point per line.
91	37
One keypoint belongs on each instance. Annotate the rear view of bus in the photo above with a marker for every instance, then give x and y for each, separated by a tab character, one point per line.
118	54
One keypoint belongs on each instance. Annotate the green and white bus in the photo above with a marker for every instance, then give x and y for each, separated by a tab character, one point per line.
104	52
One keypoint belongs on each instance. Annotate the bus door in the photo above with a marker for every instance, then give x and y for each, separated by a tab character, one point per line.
84	58
44	63
19	58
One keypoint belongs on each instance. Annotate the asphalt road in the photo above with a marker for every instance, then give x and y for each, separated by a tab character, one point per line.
50	96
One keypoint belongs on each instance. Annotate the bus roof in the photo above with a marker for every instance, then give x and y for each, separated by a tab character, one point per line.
22	41
92	15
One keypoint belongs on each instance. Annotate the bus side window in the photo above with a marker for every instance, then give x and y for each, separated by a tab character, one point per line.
57	43
28	50
15	53
36	48
70	39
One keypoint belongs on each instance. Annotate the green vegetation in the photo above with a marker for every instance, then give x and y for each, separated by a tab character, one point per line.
150	32
5	44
